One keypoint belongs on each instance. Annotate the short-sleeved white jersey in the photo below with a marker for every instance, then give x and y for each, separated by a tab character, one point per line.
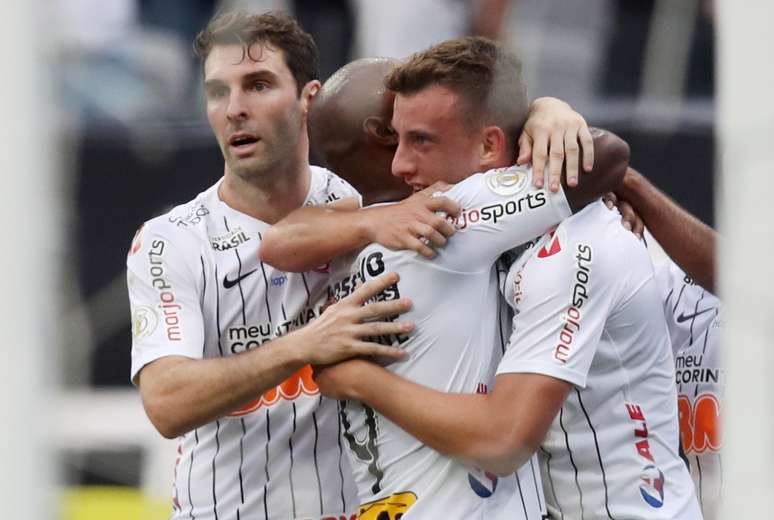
455	348
588	311
198	289
695	325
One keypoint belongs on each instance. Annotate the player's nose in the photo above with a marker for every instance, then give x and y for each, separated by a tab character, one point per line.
237	107
403	164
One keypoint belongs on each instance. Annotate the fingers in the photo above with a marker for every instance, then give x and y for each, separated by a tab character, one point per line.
365	348
610	200
539	157
556	162
385	309
383	328
372	288
587	146
571	151
638	227
525	150
629	219
443	204
430	235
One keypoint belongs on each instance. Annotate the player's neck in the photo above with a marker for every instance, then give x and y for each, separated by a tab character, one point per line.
268	198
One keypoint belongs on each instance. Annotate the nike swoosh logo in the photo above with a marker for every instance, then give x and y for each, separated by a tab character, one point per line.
682	317
228	284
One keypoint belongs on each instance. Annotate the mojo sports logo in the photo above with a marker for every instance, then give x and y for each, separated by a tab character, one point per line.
300	383
580	294
494	213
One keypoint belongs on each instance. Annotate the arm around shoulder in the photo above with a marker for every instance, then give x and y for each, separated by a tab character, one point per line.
611	158
687	240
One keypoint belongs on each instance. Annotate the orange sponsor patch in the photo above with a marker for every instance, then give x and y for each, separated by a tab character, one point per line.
700	423
300	383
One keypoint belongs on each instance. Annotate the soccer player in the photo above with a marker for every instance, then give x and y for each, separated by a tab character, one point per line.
694	317
588	374
256	438
455	295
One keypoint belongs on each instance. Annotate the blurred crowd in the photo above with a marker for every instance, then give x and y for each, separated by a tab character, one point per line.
128	62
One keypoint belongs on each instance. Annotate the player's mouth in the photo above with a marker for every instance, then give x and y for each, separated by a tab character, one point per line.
242	144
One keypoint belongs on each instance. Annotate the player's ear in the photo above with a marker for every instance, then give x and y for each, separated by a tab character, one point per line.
493	147
378	129
308	93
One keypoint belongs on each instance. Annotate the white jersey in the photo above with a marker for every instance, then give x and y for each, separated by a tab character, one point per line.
455	348
587	311
198	289
695	326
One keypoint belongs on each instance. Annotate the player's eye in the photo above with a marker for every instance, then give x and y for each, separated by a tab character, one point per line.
259	86
216	92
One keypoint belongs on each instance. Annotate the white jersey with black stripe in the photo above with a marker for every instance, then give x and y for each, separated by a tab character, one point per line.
455	348
198	289
694	319
588	311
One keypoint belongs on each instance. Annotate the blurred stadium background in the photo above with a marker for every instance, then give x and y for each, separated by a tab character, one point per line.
133	140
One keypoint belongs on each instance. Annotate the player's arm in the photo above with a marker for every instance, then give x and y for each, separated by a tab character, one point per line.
182	391
558	136
496	432
611	158
314	235
687	240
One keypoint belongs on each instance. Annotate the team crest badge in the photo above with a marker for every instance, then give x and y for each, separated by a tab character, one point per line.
507	181
144	321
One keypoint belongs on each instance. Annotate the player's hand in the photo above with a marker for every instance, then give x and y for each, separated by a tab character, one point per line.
415	224
342	331
557	132
629	218
340	381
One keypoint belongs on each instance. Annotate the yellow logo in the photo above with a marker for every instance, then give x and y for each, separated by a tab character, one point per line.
392	507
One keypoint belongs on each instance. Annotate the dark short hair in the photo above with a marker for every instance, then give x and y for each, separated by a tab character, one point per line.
274	29
487	77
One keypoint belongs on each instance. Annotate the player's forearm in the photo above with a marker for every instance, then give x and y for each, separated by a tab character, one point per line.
466	426
611	157
312	236
687	240
181	394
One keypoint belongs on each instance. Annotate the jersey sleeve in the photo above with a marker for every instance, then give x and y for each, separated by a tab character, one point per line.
164	297
684	302
563	296
327	187
500	210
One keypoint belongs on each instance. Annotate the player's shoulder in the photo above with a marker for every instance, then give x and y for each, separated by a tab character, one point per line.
326	187
183	227
592	236
504	182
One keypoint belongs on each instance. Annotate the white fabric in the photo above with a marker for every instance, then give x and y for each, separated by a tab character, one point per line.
694	318
455	348
587	310
198	289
